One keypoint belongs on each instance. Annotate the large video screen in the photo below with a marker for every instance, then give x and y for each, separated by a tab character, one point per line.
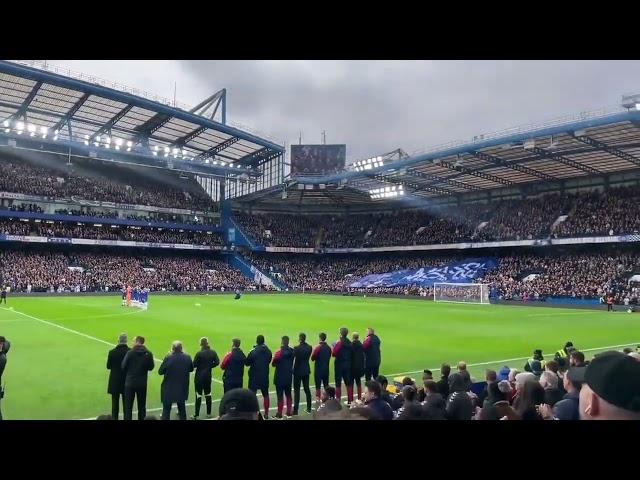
317	159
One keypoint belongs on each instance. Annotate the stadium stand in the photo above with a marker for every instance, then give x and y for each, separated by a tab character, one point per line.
114	232
93	180
77	271
612	212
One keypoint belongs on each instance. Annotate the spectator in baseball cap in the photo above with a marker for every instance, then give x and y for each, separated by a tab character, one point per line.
611	390
239	404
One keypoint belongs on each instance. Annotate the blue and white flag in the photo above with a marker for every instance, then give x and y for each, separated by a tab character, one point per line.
465	271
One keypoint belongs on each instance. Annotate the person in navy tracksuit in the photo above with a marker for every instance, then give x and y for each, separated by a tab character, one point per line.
372	355
357	363
321	356
342	352
258	362
283	363
301	372
233	366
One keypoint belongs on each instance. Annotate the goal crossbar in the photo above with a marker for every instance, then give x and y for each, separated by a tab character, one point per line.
476	293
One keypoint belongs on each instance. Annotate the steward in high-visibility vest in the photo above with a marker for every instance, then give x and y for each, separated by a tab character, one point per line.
562	355
535	364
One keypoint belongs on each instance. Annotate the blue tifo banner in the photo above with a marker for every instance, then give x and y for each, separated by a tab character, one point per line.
465	271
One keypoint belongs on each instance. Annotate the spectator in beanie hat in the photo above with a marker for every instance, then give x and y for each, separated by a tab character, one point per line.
239	404
611	390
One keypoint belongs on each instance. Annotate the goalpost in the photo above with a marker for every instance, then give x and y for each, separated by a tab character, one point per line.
461	292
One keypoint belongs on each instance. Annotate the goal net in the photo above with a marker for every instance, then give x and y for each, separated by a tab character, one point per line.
461	292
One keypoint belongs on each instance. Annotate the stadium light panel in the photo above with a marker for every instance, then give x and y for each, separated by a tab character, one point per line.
231	165
6	123
637	106
20	126
155	154
31	128
175	151
7	130
119	142
107	140
166	150
97	137
129	143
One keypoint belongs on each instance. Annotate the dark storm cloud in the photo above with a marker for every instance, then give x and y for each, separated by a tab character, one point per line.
375	107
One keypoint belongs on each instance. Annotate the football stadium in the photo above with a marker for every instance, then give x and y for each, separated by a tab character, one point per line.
158	261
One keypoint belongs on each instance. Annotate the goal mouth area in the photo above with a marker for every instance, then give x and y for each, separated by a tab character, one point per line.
470	293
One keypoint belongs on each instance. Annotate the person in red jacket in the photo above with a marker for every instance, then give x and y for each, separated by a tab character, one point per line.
342	352
233	366
283	375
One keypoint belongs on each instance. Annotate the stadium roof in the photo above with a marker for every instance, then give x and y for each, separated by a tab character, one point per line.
588	145
72	110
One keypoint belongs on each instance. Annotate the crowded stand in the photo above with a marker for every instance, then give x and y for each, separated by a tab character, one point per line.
96	181
42	271
597	213
588	214
114	232
586	276
522	277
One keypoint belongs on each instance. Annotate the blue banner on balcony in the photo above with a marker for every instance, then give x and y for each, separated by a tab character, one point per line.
465	271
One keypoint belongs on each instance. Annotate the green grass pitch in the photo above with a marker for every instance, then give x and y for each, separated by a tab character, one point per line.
56	366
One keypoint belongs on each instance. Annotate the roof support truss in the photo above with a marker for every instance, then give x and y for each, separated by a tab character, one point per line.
513	166
218	148
542	153
72	111
610	150
115	119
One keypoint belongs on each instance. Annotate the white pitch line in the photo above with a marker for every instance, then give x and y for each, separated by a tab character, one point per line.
70	330
270	393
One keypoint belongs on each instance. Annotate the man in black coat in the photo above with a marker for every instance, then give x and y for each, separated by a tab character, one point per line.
283	363
372	354
443	384
321	356
342	353
137	364
233	366
301	372
176	368
258	362
204	361
357	363
116	375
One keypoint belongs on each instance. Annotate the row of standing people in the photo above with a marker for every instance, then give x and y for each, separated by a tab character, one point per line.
129	368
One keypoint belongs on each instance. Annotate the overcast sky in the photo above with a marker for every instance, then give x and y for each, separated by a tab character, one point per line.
378	106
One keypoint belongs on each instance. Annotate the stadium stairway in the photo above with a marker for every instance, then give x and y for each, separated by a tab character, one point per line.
253	273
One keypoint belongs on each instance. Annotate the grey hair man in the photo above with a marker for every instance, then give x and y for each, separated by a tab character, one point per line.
175	368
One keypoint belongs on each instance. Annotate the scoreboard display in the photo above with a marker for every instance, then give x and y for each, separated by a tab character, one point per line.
317	159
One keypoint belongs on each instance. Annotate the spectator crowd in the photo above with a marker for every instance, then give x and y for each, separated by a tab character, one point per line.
96	181
612	212
106	232
98	272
